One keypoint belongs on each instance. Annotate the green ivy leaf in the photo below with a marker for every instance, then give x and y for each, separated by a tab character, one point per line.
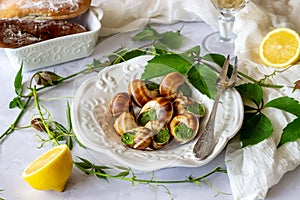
255	130
191	53
171	39
291	132
252	92
123	55
18	81
287	104
203	79
200	76
216	58
16	102
146	34
164	64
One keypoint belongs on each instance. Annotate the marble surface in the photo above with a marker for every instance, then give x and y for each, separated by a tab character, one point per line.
21	147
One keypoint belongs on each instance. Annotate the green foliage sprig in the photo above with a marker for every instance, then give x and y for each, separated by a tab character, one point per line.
127	174
257	126
199	70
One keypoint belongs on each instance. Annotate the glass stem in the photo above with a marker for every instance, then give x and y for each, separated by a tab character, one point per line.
226	22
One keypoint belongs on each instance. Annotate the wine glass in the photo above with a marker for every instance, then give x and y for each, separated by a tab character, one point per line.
222	42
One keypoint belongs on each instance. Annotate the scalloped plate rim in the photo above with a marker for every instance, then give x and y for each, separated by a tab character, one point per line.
175	161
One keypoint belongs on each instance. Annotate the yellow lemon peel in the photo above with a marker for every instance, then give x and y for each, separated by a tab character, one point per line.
280	48
51	170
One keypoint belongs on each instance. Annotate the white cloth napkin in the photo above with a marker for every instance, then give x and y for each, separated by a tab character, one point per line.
254	169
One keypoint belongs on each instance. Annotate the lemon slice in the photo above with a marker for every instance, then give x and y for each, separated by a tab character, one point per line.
51	170
280	47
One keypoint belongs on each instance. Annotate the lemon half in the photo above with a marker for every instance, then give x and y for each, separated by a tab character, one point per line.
51	170
280	47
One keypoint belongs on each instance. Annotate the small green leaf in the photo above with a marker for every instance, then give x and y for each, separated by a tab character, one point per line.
197	80
68	113
69	142
146	34
216	58
192	53
252	92
101	167
78	142
83	165
60	127
122	168
101	174
291	132
18	81
122	174
287	104
86	161
16	102
171	39
255	130
159	48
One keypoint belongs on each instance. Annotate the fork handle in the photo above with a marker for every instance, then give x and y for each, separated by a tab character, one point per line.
205	143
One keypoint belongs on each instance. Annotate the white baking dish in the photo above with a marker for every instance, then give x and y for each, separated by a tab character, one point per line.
58	50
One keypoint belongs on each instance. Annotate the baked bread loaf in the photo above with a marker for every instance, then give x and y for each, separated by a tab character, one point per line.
43	9
16	33
24	22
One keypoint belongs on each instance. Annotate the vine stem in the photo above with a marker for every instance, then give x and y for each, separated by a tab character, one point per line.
133	179
12	127
28	97
37	104
259	82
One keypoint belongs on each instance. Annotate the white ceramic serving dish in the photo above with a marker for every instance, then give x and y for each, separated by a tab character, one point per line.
93	122
58	50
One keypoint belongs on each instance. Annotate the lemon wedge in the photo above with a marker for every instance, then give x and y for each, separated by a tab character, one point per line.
280	48
51	170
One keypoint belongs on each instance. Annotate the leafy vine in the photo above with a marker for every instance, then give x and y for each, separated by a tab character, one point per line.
199	70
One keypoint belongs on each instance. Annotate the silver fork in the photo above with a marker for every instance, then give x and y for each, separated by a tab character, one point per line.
206	142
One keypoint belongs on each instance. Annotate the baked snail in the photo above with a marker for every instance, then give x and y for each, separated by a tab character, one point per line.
138	138
184	127
159	108
151	115
120	103
183	104
172	85
140	92
124	122
161	133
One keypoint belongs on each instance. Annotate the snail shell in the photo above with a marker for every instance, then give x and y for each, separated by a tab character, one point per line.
140	92
161	135
170	84
159	108
183	104
161	138
120	103
155	125
138	138
124	122
184	127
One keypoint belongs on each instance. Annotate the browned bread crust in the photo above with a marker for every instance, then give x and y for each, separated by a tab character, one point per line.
43	9
16	33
